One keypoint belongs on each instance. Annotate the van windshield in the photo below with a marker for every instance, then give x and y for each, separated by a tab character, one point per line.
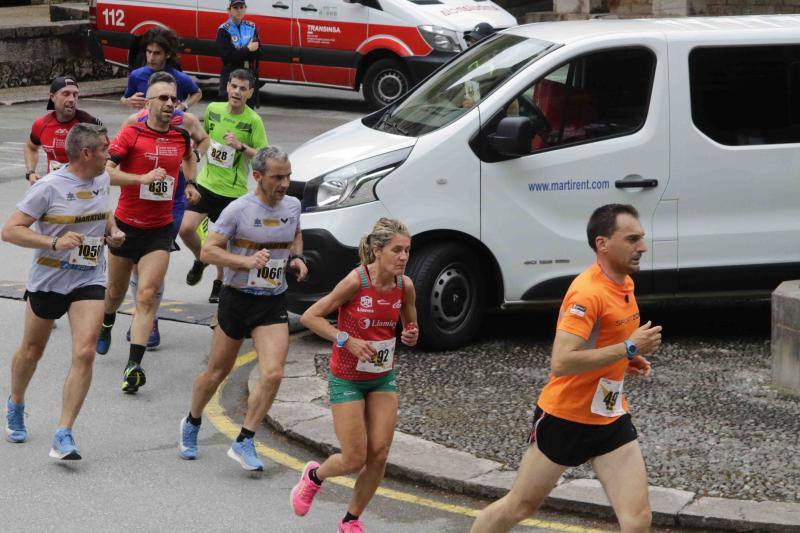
460	85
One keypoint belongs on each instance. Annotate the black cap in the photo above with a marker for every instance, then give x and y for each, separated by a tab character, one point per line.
232	3
480	31
58	84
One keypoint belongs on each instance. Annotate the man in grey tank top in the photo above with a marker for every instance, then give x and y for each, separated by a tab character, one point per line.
256	238
71	209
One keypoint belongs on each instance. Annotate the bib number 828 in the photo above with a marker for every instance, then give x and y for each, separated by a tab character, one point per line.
219	155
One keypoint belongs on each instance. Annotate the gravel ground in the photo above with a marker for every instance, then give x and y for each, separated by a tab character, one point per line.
708	419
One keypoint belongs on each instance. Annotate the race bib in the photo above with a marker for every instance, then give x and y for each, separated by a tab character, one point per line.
270	276
382	361
87	252
54	165
158	191
607	399
220	155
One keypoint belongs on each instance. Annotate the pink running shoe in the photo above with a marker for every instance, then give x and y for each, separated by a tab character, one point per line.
353	526
303	493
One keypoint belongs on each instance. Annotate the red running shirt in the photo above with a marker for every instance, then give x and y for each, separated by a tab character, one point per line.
371	315
138	149
51	135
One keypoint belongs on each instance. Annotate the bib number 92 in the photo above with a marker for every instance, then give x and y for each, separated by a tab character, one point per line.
381	357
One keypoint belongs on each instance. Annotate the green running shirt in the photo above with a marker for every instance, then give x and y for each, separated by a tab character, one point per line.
226	170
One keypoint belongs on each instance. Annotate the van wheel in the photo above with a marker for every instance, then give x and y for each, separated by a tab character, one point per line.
384	82
450	294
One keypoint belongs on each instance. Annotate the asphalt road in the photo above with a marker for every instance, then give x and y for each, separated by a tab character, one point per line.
131	477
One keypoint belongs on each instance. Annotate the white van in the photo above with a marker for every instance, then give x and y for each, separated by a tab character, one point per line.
497	160
384	46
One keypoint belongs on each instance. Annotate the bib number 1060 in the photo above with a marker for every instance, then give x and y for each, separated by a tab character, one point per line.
114	17
270	273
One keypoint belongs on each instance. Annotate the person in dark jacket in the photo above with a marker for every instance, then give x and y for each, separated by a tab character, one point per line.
237	43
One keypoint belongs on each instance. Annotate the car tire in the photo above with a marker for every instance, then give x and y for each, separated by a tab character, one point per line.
385	81
450	295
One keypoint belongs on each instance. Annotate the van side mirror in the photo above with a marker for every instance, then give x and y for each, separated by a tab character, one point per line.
513	136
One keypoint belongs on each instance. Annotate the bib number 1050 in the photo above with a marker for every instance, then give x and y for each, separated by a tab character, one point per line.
114	17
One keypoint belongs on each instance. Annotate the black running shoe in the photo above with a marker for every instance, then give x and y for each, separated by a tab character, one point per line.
214	297
195	274
133	378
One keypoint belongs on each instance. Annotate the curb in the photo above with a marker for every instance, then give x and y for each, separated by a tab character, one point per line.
41	93
300	412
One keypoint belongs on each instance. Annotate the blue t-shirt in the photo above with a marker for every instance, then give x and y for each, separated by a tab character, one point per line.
137	82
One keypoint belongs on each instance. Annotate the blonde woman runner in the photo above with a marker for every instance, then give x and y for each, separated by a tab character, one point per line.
363	391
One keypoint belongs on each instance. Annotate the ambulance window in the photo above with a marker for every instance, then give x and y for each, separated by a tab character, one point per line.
459	86
593	97
746	95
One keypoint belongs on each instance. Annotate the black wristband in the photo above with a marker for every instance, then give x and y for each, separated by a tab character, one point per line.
301	257
28	174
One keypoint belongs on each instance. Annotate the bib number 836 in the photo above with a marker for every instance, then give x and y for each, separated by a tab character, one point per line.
158	187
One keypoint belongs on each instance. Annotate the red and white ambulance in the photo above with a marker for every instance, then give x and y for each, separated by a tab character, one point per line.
384	46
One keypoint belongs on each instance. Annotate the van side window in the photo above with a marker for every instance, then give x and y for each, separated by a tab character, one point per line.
593	97
745	95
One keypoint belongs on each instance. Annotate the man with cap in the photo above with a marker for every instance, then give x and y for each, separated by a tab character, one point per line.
50	130
481	31
237	43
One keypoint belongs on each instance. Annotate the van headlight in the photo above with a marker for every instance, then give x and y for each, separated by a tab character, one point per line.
440	39
352	184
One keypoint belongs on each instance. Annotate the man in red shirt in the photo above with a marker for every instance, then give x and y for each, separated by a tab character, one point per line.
144	160
581	414
50	130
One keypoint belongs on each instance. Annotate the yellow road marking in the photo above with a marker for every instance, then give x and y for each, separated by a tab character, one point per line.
227	427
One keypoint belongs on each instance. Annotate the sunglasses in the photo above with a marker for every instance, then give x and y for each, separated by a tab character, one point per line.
165	98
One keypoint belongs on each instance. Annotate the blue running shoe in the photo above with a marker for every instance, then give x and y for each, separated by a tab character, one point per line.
15	422
104	340
153	340
245	454
187	447
133	378
64	447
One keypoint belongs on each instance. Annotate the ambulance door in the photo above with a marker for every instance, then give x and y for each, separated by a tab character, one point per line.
327	35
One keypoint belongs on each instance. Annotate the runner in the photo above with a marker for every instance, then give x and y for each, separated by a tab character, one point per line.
71	210
581	414
192	125
160	46
361	381
237	133
144	159
255	238
50	130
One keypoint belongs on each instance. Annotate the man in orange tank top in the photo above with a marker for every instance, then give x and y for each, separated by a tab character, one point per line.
581	414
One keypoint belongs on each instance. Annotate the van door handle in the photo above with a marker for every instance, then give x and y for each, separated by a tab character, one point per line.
634	182
308	8
280	6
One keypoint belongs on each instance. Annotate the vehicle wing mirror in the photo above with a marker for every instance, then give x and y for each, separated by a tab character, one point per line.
513	136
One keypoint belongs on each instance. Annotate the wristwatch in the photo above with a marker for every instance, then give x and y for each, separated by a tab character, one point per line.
28	173
631	349
301	257
341	339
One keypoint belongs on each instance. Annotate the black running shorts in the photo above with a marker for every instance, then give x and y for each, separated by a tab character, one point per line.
140	242
210	203
53	305
570	443
240	313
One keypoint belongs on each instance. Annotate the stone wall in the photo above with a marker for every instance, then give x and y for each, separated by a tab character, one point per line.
35	55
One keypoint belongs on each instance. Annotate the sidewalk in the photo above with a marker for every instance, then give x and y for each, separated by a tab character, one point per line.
40	93
300	411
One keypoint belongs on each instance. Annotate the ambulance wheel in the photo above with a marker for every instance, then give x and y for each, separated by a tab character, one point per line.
384	82
450	294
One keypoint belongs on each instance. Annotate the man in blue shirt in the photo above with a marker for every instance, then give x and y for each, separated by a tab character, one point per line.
160	47
238	45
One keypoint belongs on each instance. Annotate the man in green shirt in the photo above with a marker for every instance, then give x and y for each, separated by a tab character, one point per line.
236	133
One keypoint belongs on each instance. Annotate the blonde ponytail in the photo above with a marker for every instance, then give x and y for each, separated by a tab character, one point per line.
382	232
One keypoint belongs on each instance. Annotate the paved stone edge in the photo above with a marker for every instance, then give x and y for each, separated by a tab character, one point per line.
40	93
300	412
